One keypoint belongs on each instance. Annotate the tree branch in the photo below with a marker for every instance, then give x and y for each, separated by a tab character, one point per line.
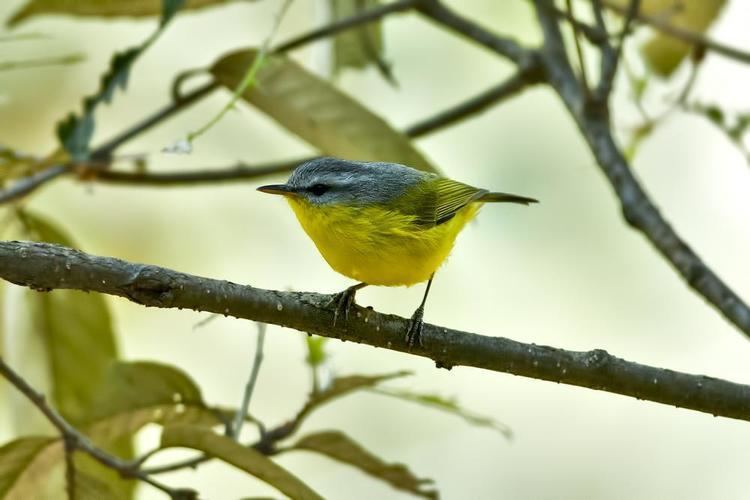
74	440
42	266
530	75
638	209
506	47
332	29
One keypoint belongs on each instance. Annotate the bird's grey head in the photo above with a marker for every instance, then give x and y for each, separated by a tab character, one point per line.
328	180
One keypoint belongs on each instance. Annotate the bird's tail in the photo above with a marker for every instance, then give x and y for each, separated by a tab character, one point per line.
506	198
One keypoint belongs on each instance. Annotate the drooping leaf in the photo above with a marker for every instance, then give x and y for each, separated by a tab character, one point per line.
102	8
23	465
89	487
359	47
342	386
317	111
76	331
233	453
75	131
339	446
448	405
135	394
662	52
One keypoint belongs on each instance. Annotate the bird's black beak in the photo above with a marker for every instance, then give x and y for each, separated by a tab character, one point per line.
281	189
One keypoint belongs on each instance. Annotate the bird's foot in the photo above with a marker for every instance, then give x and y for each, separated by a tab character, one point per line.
342	302
414	333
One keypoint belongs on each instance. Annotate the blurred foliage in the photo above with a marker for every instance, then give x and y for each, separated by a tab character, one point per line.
75	132
361	47
317	111
340	447
111	401
233	453
662	52
102	8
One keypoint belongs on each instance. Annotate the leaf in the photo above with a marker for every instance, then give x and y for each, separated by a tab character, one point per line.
316	354
662	52
316	111
75	132
342	386
135	394
339	446
22	464
359	47
449	406
76	330
233	453
102	8
88	487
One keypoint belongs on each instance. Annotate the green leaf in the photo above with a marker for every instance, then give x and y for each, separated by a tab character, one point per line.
102	8
22	464
359	47
317	111
76	330
448	405
342	386
138	393
233	453
75	132
662	52
341	447
89	487
316	354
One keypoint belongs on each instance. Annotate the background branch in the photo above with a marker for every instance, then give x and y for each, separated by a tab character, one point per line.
43	266
74	440
637	208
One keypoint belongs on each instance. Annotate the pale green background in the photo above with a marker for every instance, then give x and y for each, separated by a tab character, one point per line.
567	273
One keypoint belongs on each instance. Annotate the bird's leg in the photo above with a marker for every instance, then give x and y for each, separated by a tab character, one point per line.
414	333
344	301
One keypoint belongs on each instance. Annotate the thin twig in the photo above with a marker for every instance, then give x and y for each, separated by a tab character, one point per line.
368	16
74	440
476	104
579	49
40	63
242	411
43	266
611	59
504	46
525	77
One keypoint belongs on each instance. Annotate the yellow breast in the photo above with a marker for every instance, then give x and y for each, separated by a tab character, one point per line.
379	246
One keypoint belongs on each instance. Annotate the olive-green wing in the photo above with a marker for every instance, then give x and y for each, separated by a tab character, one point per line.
452	196
437	201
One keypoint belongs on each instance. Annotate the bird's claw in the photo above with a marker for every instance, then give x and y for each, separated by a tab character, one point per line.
414	332
342	302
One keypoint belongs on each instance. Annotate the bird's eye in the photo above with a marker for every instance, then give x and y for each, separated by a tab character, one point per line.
319	189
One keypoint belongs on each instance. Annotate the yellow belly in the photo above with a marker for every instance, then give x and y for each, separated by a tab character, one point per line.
377	246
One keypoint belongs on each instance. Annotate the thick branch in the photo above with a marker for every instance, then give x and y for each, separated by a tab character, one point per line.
45	267
638	209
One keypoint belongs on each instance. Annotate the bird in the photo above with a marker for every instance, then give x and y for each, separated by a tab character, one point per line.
381	223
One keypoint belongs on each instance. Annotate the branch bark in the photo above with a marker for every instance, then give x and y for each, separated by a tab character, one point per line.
592	118
45	267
